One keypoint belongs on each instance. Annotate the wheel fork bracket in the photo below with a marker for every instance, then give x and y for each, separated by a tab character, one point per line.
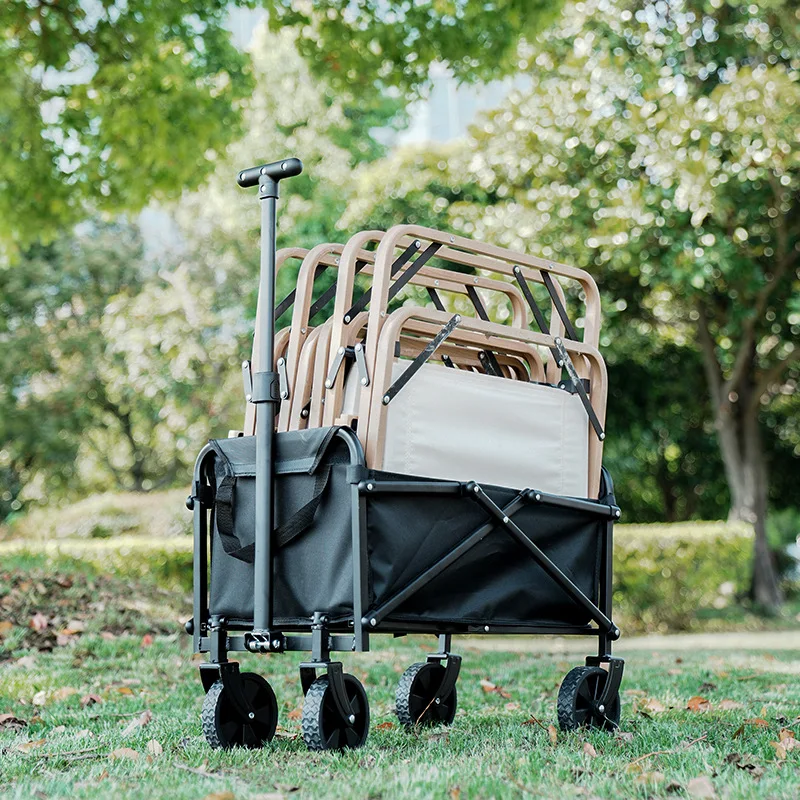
616	666
451	671
228	673
308	674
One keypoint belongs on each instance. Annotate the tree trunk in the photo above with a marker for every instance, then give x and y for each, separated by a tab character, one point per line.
741	446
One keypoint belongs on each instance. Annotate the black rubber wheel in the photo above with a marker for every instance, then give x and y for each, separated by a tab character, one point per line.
577	701
323	726
414	701
222	725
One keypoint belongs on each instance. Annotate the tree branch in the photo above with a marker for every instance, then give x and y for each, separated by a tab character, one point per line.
710	362
770	375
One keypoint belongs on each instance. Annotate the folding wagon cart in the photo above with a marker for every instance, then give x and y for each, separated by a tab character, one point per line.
302	544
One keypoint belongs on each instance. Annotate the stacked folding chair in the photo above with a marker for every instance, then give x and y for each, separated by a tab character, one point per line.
437	388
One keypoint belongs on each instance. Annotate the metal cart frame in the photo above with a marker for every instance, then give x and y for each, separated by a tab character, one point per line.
320	638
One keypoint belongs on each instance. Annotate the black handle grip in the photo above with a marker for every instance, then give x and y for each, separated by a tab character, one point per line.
277	170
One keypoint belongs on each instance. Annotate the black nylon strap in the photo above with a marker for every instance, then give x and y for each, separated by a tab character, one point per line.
329	293
534	306
423	258
562	312
223	505
288	301
362	301
418	362
435	299
303	517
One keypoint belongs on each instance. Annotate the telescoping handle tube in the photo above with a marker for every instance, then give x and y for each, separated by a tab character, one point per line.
276	171
265	390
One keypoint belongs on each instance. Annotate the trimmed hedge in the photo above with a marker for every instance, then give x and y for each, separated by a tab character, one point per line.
664	574
106	516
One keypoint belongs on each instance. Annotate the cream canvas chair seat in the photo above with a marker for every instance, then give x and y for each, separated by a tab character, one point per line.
460	425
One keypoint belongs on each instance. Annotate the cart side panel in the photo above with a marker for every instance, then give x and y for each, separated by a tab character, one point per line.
495	582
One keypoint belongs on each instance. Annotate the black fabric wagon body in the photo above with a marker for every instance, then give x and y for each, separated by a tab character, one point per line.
495	583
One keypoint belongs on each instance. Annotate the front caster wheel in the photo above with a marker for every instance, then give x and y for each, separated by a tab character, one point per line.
322	724
416	697
578	701
223	724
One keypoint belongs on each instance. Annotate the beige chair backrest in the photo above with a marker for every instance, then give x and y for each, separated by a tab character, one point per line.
476	409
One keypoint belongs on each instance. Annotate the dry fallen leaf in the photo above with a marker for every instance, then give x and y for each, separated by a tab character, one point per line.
230	796
512	706
729	705
147	640
488	687
5	627
780	750
124	753
12	723
39	622
589	750
26	747
137	722
786	738
701	787
747	763
533	721
757	722
90	700
623	736
650	706
698	703
40	698
384	726
295	714
124	690
154	748
552	732
455	793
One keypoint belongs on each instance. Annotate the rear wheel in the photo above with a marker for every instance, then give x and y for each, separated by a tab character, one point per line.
223	725
416	701
324	727
579	701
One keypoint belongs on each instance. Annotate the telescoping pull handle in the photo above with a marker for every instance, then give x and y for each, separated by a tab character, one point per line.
276	171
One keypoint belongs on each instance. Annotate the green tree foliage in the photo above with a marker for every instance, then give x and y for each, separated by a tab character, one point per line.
103	360
105	105
357	45
657	146
289	113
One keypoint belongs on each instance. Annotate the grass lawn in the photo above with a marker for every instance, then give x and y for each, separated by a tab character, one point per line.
112	710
